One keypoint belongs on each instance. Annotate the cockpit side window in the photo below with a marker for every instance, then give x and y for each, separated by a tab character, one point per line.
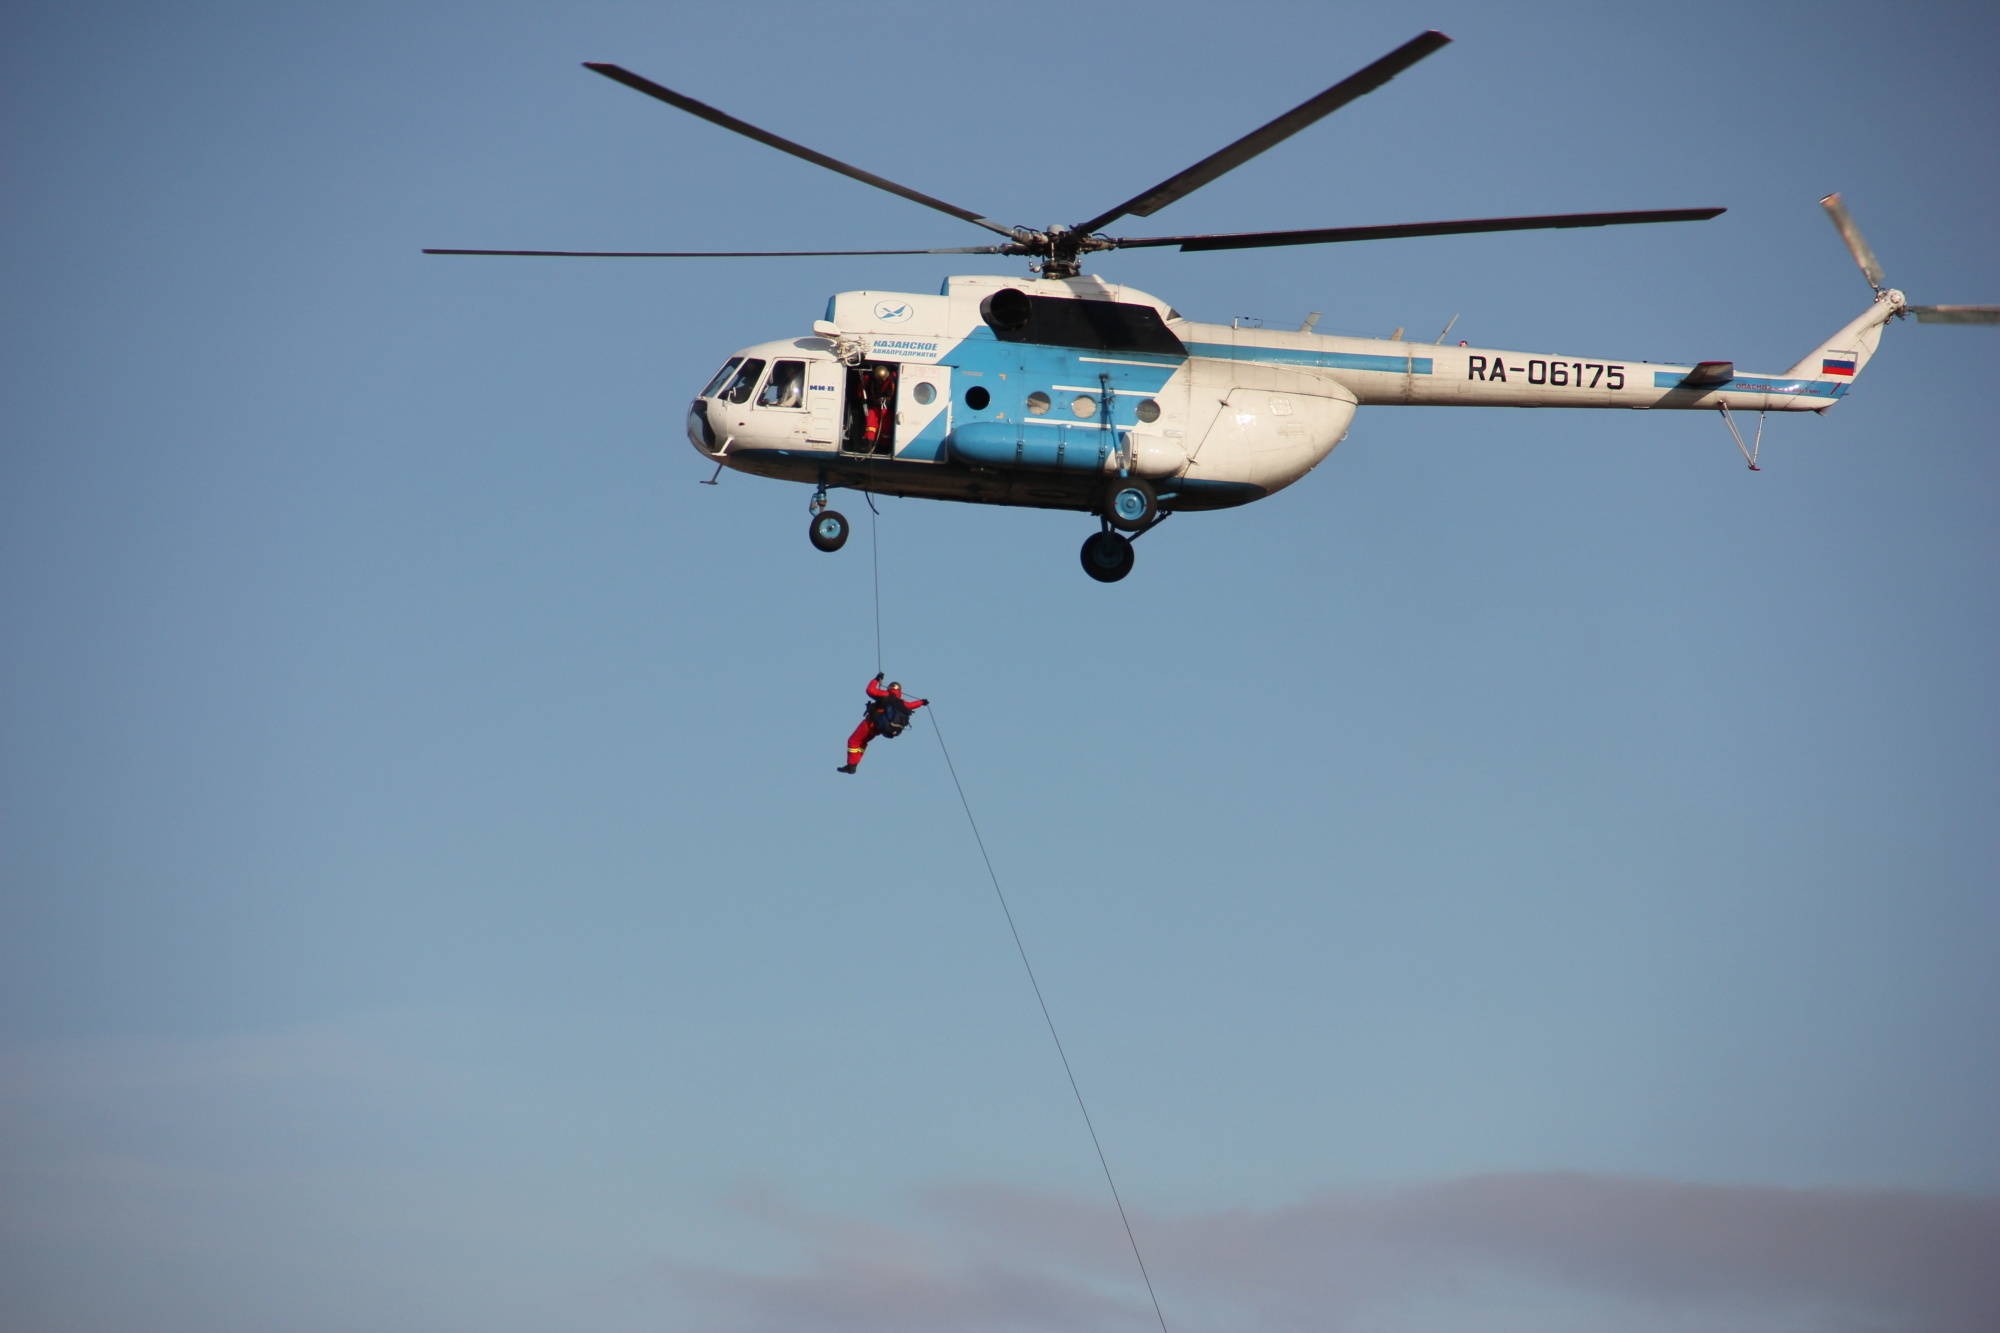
745	383
728	367
786	387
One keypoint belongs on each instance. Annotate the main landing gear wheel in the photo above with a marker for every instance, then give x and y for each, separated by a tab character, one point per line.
1107	557
1131	505
828	530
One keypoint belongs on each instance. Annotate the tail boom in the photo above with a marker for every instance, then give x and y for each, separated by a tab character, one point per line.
1433	376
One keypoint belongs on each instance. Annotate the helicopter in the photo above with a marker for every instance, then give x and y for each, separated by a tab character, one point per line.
1064	391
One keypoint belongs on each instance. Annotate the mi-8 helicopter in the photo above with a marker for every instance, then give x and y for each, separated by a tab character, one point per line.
1063	391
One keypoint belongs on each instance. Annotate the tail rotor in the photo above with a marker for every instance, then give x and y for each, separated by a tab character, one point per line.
1871	269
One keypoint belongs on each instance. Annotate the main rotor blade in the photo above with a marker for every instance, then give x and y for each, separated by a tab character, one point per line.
1279	130
716	254
1325	235
1955	314
745	128
1857	245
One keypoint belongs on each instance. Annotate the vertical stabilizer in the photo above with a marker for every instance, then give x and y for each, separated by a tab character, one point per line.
1840	358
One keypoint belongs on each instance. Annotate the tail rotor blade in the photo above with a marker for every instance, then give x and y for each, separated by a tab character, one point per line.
1857	244
1956	314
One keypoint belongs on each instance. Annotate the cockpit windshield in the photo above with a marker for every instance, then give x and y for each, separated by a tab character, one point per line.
728	367
745	383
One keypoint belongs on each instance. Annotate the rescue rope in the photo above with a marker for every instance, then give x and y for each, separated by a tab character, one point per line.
1028	967
875	550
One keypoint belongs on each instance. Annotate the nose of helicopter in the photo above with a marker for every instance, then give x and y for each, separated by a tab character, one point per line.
701	433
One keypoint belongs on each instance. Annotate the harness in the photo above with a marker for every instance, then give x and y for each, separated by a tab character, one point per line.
889	715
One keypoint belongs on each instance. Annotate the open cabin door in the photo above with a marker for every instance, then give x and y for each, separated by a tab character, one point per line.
868	416
886	406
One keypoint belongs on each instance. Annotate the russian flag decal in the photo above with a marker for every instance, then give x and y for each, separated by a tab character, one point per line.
1839	363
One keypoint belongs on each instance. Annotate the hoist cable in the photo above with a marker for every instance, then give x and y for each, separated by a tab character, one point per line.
875	550
1048	1018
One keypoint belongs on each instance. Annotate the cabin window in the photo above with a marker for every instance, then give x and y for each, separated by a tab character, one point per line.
977	398
786	387
1038	403
1147	410
745	383
925	394
1084	406
728	368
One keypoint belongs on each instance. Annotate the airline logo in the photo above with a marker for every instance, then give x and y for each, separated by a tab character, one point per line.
1837	363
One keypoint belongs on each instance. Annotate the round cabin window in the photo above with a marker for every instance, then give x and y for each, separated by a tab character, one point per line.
1147	410
925	395
1084	406
977	398
1038	403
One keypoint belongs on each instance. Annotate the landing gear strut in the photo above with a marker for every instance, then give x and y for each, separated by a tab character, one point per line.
829	528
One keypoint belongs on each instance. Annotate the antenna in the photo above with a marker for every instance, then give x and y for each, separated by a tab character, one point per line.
1447	331
1311	320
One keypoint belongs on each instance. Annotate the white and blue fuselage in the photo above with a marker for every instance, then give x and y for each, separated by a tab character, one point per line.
1042	392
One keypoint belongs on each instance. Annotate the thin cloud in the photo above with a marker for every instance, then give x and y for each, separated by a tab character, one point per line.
866	1276
1561	1253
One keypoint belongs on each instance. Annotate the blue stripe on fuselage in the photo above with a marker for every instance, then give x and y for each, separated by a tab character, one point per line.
1671	379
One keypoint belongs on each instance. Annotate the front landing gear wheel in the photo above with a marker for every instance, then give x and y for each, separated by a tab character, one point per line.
1107	557
1131	505
828	530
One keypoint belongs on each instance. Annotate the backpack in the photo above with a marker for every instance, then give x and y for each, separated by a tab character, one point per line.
889	715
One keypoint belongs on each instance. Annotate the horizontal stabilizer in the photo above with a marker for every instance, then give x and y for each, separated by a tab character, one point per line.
1709	373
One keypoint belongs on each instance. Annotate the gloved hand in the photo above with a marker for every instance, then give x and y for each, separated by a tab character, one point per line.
878	677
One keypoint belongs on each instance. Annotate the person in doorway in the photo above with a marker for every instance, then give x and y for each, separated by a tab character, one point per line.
888	713
879	394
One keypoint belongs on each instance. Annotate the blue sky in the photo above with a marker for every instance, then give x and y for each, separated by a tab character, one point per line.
1533	873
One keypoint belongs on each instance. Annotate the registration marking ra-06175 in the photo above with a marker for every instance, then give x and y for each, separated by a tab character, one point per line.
1569	374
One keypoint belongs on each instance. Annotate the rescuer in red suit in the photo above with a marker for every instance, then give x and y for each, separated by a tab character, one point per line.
878	392
888	713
